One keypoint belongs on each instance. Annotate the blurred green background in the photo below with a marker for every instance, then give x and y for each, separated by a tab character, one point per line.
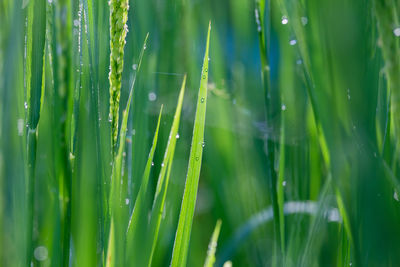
327	108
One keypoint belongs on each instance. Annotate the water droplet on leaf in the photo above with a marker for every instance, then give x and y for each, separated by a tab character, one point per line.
304	20
285	20
41	253
152	96
396	32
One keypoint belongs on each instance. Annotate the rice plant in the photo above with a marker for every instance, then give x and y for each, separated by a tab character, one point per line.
131	134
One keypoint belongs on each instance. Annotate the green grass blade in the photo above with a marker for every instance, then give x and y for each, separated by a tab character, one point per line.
110	260
138	218
117	168
35	65
280	189
271	145
212	247
182	238
115	193
163	178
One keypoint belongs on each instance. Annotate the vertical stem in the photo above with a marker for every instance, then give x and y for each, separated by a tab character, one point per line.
270	143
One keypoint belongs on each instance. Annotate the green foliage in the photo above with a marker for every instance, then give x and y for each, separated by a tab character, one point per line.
298	156
212	247
182	238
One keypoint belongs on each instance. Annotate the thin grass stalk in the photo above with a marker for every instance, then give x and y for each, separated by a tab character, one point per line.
115	192
63	98
163	179
183	232
212	247
35	67
271	145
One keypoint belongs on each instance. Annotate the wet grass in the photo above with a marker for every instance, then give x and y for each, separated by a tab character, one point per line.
111	154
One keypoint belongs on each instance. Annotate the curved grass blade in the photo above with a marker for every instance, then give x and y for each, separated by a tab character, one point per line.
242	233
138	220
35	65
280	192
117	168
182	238
212	247
115	196
111	247
163	179
261	8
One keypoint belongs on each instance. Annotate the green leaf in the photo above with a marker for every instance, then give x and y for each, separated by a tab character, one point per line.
163	178
182	238
115	196
34	70
137	221
212	247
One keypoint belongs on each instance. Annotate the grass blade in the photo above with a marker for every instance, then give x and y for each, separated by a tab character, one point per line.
163	178
138	220
182	238
212	247
115	191
35	66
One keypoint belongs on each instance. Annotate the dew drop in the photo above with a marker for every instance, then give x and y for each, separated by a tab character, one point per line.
396	32
133	131
304	20
177	136
203	144
20	126
152	164
202	100
25	105
197	158
76	23
293	42
299	62
41	253
395	196
162	164
284	183
152	96
348	94
285	20
126	201
283	107
134	66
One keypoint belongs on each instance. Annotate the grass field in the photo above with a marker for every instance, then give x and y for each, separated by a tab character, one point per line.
199	133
